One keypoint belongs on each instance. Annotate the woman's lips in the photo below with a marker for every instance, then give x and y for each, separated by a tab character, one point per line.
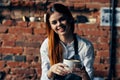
61	28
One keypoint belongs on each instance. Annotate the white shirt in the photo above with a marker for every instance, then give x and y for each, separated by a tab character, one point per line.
85	52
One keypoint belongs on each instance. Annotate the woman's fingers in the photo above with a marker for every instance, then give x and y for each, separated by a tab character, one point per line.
60	69
60	72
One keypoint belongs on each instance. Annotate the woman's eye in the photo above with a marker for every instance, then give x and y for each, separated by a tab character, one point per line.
54	22
62	19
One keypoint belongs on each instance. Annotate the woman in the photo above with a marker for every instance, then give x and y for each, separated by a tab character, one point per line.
63	43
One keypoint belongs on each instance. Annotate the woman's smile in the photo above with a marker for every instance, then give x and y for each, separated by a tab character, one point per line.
61	28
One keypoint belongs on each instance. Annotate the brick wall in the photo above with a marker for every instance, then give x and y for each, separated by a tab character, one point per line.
20	39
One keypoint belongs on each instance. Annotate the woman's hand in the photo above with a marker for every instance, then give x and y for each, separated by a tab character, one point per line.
59	68
81	72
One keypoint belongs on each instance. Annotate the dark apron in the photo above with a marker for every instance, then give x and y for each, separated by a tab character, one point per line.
67	77
70	76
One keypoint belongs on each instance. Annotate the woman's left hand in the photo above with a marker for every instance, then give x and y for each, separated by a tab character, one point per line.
81	72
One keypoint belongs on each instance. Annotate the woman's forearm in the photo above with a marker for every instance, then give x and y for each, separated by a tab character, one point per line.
50	74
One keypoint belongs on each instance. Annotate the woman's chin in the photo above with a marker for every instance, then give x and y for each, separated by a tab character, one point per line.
62	32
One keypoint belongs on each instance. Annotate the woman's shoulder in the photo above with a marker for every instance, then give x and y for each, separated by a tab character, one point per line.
44	43
83	41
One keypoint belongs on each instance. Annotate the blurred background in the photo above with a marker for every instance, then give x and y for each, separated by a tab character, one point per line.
22	30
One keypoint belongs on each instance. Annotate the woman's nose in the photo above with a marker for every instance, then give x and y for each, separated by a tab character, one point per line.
58	23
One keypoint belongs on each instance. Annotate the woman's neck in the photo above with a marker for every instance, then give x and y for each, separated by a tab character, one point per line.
67	38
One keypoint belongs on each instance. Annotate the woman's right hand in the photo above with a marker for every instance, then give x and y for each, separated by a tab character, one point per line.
59	68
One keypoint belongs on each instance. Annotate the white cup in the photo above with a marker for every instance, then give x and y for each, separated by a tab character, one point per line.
32	19
72	63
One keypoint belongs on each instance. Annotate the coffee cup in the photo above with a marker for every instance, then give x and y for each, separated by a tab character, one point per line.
72	63
32	19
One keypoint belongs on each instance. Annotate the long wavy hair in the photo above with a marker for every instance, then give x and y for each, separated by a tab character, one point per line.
55	49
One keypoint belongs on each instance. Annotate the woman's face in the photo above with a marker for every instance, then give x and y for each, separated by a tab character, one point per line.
58	23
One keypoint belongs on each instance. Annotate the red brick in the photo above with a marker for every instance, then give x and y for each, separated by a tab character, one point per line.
117	67
118	53
101	1
32	38
20	30
22	24
24	65
95	33
87	26
16	37
43	25
104	60
25	73
27	44
12	64
35	24
80	32
103	53
86	1
8	77
6	70
6	37
95	46
7	22
94	5
97	60
104	39
9	43
101	73
39	31
14	50
103	46
30	58
69	4
38	70
3	29
32	51
18	70
36	65
75	1
101	70
79	5
93	39
2	64
101	67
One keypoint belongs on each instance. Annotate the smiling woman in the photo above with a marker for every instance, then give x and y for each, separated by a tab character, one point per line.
62	43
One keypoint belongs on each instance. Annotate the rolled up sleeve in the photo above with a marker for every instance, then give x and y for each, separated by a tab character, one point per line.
89	60
45	63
